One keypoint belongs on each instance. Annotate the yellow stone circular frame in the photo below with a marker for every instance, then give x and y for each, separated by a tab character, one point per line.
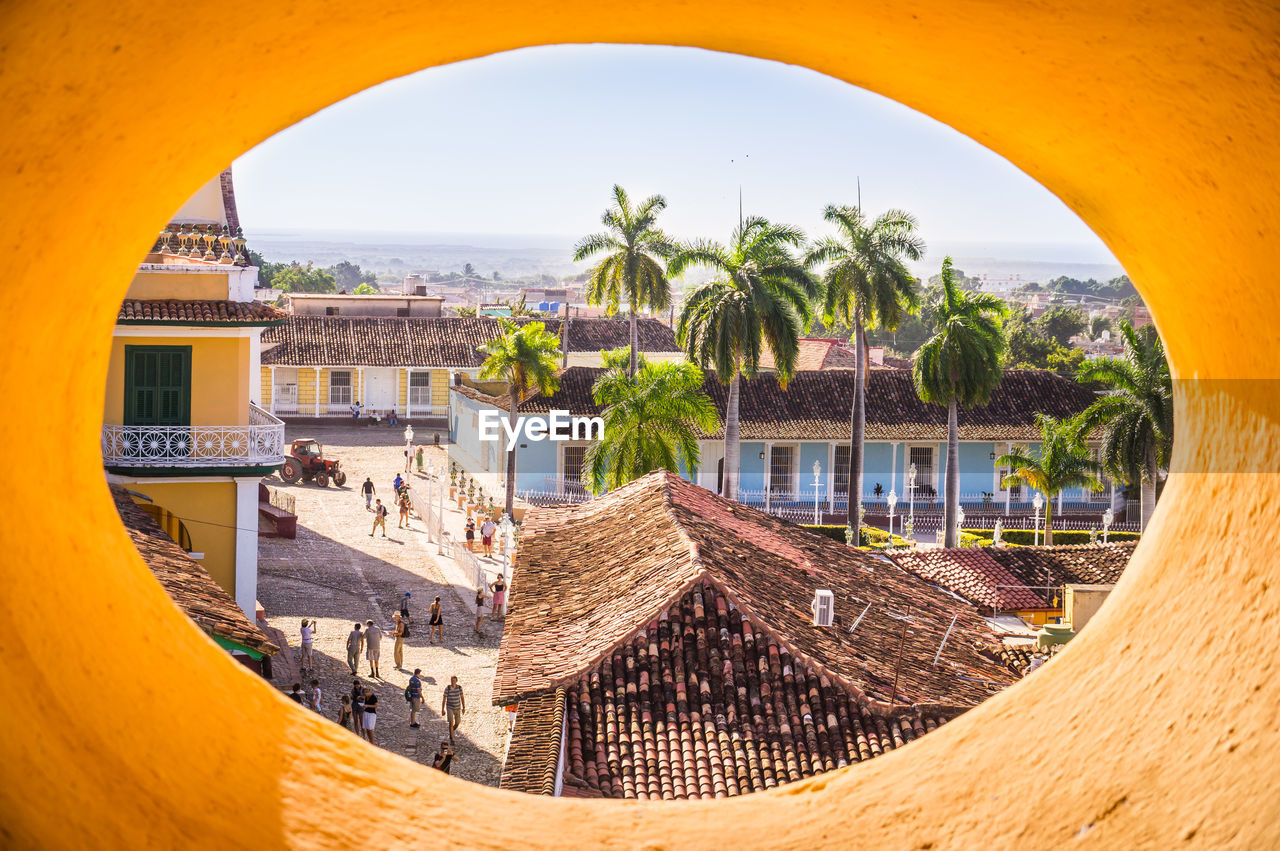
1157	123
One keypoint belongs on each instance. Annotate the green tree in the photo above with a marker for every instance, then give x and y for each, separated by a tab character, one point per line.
961	364
266	271
1136	416
631	269
761	294
525	357
1060	324
348	276
304	279
1061	462
651	422
867	285
366	289
1097	325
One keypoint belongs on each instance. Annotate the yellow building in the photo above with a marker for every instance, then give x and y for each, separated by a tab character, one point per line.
179	423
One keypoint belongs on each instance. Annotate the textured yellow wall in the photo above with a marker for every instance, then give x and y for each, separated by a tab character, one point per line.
1158	123
190	285
219	378
209	511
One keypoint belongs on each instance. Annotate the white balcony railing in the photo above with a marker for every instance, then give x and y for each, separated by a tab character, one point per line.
258	444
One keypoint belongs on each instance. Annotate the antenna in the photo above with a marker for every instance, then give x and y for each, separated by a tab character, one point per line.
906	618
859	194
739	206
945	636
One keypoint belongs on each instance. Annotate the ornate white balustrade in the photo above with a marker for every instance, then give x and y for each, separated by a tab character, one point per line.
260	443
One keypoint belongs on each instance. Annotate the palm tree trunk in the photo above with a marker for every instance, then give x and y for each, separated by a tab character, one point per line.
1150	472
511	457
1048	521
859	425
951	502
729	488
635	341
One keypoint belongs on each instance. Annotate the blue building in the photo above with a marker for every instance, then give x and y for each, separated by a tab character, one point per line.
795	443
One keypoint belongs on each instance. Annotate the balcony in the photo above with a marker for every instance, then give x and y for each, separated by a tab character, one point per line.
260	443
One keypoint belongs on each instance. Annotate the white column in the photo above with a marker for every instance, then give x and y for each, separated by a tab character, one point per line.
317	405
247	544
893	466
768	477
831	477
1008	489
255	367
273	389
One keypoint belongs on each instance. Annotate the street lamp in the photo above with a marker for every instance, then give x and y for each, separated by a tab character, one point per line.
1108	517
408	446
959	522
911	491
506	528
1037	503
892	500
817	484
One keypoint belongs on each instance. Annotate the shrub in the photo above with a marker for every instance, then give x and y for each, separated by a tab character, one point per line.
1026	537
870	536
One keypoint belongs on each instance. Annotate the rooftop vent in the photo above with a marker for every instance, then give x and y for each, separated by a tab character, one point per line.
824	607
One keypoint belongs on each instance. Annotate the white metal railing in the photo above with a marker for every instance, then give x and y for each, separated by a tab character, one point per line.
259	443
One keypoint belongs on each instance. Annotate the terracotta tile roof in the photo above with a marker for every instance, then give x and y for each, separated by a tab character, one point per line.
1018	656
816	405
190	586
701	705
975	573
444	342
609	569
136	311
816	353
534	750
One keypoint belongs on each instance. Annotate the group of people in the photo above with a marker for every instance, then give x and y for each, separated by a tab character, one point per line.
487	528
357	408
499	589
401	489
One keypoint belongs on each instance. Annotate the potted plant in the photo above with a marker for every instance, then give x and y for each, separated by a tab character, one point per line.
453	481
986	498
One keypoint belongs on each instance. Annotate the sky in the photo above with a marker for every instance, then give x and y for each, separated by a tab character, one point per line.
524	146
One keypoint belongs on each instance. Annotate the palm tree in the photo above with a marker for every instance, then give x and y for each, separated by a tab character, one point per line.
1137	416
631	270
1062	462
525	357
761	294
961	364
867	285
651	422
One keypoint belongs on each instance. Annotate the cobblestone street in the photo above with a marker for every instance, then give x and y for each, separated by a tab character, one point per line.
336	574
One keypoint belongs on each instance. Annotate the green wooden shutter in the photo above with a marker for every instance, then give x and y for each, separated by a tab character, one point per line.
157	385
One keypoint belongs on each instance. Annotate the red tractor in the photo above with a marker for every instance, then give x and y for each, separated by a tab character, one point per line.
306	461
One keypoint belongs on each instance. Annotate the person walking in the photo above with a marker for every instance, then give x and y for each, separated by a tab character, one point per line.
443	758
479	610
313	699
435	626
308	636
344	712
397	483
368	490
372	647
486	535
405	599
400	633
471	535
453	703
414	695
355	643
418	457
379	519
357	707
370	714
403	502
499	589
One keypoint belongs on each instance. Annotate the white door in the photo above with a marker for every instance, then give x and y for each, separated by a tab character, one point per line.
284	393
380	390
